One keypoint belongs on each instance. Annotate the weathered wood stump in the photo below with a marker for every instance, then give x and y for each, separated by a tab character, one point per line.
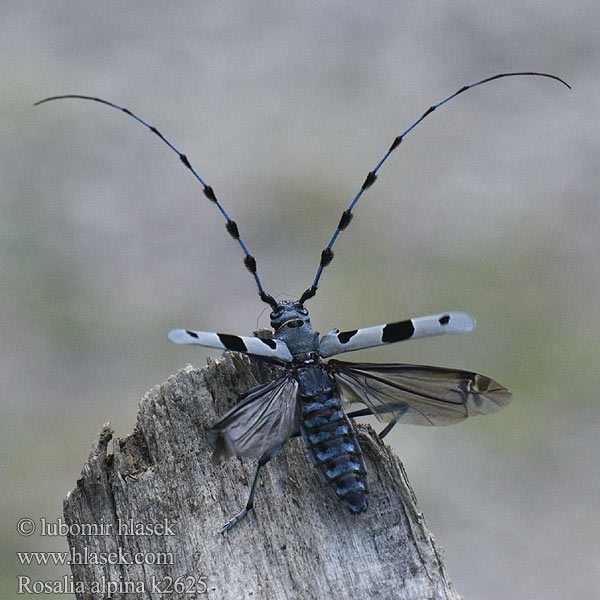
154	508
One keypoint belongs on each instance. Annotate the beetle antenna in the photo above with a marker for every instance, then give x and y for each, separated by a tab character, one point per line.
327	254
230	225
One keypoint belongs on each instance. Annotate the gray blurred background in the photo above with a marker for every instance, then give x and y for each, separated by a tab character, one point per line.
490	206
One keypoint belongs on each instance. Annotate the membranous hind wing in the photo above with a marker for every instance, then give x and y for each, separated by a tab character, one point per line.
265	417
418	395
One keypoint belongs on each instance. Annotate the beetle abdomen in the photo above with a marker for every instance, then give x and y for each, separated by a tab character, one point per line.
330	438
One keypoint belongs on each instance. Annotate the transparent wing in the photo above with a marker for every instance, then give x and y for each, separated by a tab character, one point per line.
265	417
416	394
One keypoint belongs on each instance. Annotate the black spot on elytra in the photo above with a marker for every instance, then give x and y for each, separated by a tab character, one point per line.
346	336
191	333
444	320
271	343
395	332
232	342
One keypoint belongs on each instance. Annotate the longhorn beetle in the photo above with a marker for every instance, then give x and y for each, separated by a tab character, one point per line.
308	399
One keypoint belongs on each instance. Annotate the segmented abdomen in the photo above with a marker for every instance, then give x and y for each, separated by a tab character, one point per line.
330	439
